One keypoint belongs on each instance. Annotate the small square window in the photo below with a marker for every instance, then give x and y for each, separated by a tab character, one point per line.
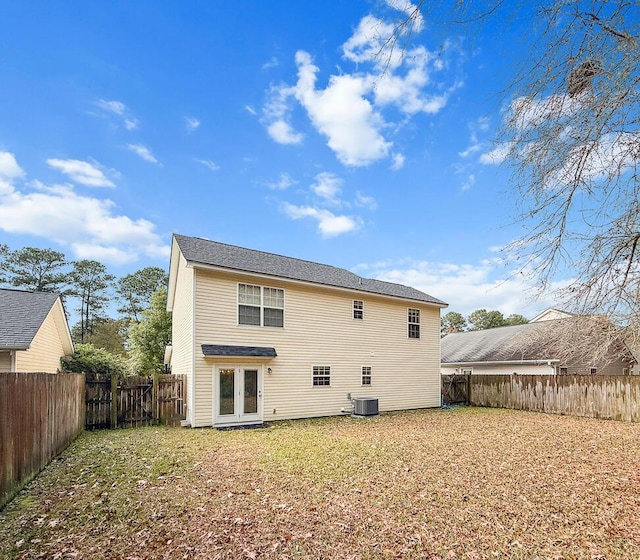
366	375
593	371
321	376
358	309
564	370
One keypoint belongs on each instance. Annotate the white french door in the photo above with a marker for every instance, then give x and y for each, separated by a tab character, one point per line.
237	394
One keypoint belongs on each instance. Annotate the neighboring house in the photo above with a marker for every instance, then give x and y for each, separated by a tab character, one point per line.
549	344
265	337
34	333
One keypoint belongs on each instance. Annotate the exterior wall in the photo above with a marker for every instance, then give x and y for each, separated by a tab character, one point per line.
46	348
501	369
614	368
182	330
320	330
5	361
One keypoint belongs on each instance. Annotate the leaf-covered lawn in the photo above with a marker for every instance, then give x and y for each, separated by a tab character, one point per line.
467	483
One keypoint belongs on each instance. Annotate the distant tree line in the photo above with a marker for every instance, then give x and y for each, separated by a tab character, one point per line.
133	342
479	320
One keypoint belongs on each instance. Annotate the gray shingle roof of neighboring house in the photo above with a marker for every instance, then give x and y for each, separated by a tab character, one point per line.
205	252
502	344
21	315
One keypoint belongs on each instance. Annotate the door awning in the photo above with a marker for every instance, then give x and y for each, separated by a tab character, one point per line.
216	350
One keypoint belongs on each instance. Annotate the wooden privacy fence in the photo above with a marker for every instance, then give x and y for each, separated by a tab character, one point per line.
40	414
614	397
134	401
455	389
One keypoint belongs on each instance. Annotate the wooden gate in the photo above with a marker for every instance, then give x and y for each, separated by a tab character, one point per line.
455	389
134	401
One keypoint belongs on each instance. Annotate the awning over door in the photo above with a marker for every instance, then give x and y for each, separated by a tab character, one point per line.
219	350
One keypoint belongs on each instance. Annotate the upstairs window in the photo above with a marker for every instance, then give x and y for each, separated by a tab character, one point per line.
358	309
366	375
593	371
414	323
260	306
564	370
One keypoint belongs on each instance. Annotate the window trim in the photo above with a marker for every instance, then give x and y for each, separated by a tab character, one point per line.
363	375
358	310
466	371
414	324
261	306
315	375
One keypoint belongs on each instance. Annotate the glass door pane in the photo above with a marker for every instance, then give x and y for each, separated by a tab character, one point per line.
227	391
250	391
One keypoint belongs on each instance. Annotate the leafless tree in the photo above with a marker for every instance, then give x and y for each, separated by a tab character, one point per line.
571	130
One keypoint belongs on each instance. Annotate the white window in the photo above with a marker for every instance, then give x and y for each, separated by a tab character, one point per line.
260	306
414	323
466	371
358	309
321	376
366	375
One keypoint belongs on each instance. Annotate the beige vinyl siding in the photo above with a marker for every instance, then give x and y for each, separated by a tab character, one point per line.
5	361
46	348
320	330
182	329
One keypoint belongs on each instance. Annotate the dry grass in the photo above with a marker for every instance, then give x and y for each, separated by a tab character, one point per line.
468	483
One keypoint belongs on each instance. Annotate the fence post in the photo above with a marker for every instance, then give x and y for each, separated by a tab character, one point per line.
114	401
468	380
154	398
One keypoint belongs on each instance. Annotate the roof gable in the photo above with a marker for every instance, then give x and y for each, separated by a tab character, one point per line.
21	315
211	253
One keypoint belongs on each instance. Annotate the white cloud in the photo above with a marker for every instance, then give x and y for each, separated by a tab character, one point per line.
81	172
497	155
143	152
467	287
411	11
363	201
327	186
208	163
119	109
275	116
469	182
282	132
58	213
329	225
115	107
398	162
284	182
191	123
348	112
271	63
250	109
342	114
9	168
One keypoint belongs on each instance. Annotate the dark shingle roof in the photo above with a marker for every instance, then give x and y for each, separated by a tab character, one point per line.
21	315
503	344
238	351
203	251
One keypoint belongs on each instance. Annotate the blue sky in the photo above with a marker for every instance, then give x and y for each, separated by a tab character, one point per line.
269	125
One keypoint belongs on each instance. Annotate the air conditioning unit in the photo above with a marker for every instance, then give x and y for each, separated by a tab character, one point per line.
365	406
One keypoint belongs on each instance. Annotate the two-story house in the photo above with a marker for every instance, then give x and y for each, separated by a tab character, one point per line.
266	337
